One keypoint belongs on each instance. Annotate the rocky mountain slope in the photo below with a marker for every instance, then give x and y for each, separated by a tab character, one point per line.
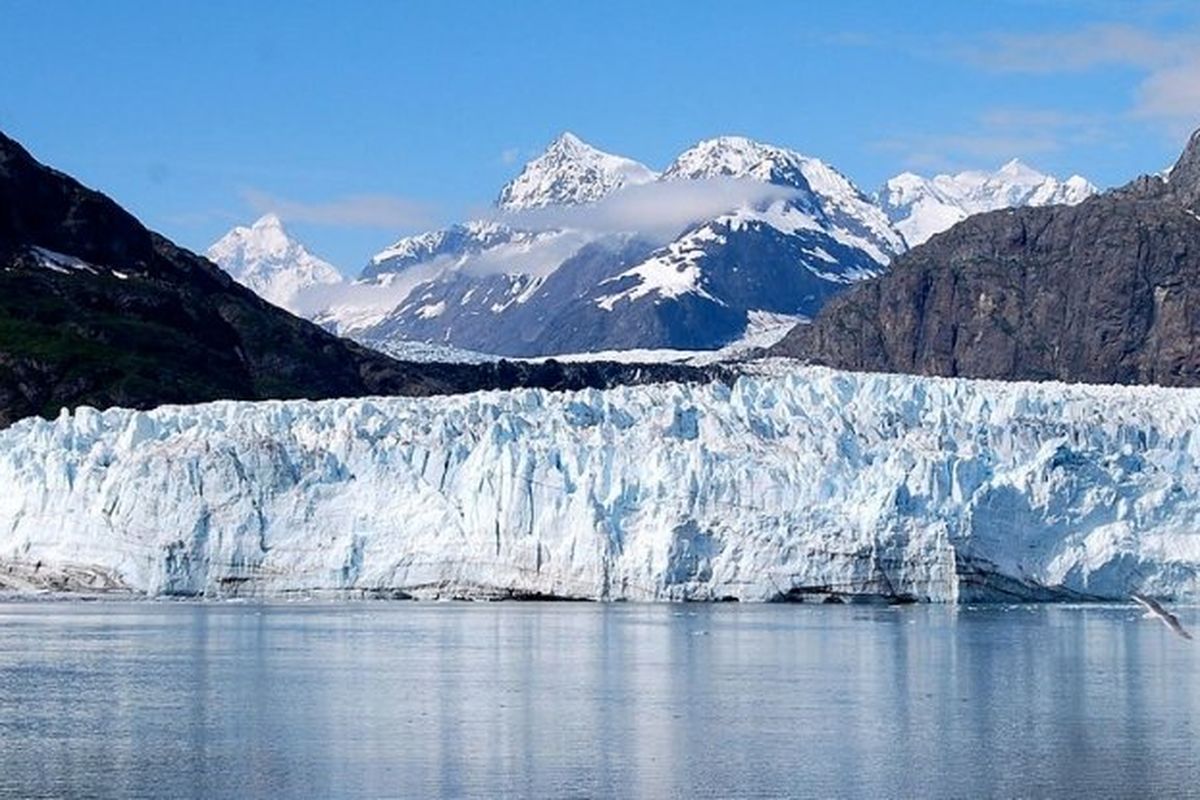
95	309
1106	291
804	485
921	207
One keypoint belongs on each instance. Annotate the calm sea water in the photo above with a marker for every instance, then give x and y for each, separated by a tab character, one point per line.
580	700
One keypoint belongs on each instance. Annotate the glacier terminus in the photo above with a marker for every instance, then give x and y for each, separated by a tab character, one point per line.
795	483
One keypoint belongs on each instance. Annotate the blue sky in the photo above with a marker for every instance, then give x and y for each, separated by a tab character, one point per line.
368	120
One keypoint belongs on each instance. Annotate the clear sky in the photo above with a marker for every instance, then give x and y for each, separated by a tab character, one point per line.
363	121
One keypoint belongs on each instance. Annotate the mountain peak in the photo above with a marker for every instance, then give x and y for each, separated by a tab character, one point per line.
571	172
1185	175
1017	171
263	257
265	236
738	157
268	221
1015	165
568	141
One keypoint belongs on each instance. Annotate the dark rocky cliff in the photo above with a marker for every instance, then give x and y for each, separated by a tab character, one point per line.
1106	292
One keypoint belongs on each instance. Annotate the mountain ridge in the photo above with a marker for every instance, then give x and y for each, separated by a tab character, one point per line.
921	207
498	284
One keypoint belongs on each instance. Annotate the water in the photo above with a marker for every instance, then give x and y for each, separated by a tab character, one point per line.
580	700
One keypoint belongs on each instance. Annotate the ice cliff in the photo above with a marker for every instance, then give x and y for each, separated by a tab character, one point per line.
805	483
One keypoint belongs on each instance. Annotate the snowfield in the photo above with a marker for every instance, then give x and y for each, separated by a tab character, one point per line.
922	207
796	483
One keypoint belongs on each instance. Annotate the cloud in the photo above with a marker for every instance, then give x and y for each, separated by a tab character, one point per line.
1172	94
995	136
536	257
352	211
510	155
657	210
1075	51
1169	87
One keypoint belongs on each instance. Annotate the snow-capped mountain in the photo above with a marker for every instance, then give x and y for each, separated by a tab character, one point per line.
825	194
571	172
791	233
263	257
921	207
801	485
590	251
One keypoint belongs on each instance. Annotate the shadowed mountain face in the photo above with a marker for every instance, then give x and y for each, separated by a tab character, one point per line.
97	310
1104	292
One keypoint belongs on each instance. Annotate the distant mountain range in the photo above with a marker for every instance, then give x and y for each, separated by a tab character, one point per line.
589	251
1105	291
921	207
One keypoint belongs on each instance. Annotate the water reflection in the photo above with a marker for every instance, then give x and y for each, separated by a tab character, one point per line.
458	700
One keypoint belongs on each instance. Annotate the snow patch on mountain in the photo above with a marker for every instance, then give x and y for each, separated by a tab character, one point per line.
61	262
921	207
672	272
264	258
805	483
428	352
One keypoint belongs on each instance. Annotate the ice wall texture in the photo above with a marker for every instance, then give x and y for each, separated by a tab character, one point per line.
793	485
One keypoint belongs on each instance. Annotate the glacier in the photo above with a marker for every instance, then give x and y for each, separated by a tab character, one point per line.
793	483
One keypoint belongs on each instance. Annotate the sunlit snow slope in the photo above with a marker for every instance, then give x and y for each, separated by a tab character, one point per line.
796	485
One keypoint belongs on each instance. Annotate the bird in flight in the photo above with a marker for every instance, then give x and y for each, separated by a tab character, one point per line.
1155	609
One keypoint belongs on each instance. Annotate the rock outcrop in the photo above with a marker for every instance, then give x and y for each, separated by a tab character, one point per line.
1107	291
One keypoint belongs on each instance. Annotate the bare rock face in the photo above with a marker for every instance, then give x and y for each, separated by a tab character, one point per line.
1184	178
1104	292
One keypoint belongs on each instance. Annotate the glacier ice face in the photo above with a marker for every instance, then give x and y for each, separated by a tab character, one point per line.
808	481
